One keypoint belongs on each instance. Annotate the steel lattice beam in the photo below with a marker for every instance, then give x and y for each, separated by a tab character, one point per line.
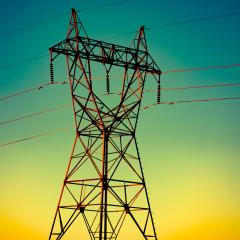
104	181
107	53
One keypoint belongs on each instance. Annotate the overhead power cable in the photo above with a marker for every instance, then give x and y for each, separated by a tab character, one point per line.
33	24
166	72
201	68
103	5
185	88
163	89
30	90
197	87
115	36
24	61
34	114
192	101
149	90
60	16
33	137
184	22
147	107
194	20
125	34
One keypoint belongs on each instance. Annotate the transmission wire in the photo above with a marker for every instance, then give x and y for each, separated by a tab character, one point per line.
60	16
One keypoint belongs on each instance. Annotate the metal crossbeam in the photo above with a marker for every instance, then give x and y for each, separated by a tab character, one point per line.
107	53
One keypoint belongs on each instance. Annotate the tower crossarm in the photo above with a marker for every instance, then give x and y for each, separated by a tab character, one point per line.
106	53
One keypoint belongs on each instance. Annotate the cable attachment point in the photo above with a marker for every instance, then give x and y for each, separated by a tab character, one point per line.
51	72
108	84
158	93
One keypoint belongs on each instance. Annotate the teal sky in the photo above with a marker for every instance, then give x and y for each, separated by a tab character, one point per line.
190	152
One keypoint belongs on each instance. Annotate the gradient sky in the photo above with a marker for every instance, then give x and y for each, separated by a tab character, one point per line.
190	152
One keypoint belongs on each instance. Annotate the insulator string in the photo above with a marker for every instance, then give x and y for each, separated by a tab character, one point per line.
51	72
107	84
158	92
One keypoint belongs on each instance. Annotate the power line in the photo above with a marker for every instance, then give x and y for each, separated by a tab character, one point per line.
187	87
59	16
201	68
146	107
114	36
150	90
120	35
24	61
30	90
20	93
165	72
33	137
34	114
33	24
104	5
164	89
197	87
194	20
192	101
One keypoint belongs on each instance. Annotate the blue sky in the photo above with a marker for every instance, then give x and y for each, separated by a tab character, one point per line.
190	151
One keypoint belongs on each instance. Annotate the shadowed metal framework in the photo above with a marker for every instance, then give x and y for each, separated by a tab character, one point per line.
104	183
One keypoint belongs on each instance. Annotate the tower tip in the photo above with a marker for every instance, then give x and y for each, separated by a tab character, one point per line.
73	10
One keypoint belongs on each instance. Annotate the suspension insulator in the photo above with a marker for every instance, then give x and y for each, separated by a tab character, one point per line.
51	72
158	93
108	84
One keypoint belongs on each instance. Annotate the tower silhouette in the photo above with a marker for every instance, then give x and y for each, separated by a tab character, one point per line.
104	183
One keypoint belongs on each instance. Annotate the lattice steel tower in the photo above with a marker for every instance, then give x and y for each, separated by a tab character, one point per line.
104	181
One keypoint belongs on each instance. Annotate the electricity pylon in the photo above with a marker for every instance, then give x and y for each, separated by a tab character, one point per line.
104	181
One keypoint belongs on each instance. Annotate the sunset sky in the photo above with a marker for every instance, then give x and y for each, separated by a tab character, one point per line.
190	151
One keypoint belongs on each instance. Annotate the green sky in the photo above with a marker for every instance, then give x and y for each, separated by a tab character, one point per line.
190	152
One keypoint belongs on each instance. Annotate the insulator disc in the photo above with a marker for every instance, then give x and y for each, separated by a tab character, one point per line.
51	72
158	93
108	84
